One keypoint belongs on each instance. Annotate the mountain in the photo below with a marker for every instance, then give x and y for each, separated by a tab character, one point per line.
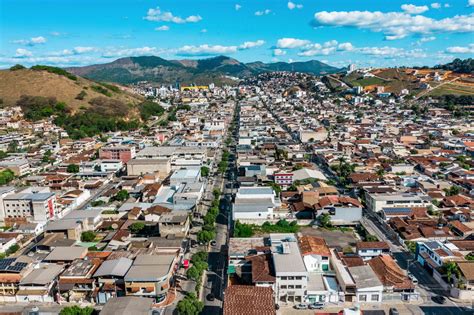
49	82
218	69
459	66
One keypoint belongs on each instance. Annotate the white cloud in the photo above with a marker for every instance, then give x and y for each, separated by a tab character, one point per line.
292	43
435	5
413	9
56	33
163	28
470	3
83	50
22	53
210	50
248	45
447	5
125	52
425	39
461	49
159	16
292	5
237	7
395	25
204	30
264	12
32	41
279	52
345	47
392	52
317	51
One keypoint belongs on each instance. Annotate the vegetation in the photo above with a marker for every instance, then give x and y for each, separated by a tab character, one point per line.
204	171
248	230
452	191
73	168
17	67
122	195
77	310
97	203
81	95
88	236
190	305
101	90
459	66
3	154
39	107
136	227
6	176
55	70
325	220
411	246
343	170
148	109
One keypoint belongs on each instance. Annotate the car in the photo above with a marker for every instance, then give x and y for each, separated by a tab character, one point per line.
213	243
439	299
316	306
301	306
210	297
393	311
413	278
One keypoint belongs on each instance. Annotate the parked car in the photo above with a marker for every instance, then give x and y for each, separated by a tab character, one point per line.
413	278
393	311
439	299
301	306
316	306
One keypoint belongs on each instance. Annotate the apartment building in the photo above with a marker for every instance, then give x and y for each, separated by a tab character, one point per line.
34	204
377	201
122	153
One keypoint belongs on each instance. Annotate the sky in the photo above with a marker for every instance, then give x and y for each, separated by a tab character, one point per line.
339	32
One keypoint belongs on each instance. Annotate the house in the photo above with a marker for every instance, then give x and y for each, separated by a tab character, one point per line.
316	253
466	270
290	271
39	284
66	255
394	279
172	223
126	305
76	283
369	288
122	153
110	278
254	203
377	201
433	254
239	249
369	250
12	270
248	300
149	276
342	210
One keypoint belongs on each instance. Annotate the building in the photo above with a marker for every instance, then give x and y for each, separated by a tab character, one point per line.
316	253
341	209
369	288
39	284
369	250
34	204
290	271
126	305
122	153
254	203
149	276
176	224
377	201
20	167
248	300
142	166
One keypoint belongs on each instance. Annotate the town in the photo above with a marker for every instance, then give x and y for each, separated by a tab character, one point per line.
282	195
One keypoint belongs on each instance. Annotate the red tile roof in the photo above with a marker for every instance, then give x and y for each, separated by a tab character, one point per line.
312	245
389	273
249	300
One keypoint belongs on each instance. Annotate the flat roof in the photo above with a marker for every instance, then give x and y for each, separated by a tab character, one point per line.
364	277
66	253
288	260
42	275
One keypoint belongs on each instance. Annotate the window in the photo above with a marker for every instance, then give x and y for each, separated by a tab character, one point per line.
283	287
291	287
291	278
375	298
298	286
325	267
283	278
362	298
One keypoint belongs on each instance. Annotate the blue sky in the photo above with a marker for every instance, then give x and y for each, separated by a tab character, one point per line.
339	32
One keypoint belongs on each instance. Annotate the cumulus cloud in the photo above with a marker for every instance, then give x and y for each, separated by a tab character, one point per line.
470	3
163	28
125	52
413	9
292	5
159	16
392	52
237	7
22	53
248	45
395	25
211	50
32	41
204	30
263	12
345	47
279	52
461	49
83	50
425	39
435	5
289	42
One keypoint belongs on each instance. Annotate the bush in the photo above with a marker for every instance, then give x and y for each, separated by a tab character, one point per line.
39	107
136	227
81	95
190	305
55	70
88	236
73	168
17	67
77	310
122	195
204	171
6	176
243	230
101	90
149	108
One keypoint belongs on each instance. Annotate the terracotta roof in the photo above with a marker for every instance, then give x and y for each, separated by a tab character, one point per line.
249	300
372	245
353	260
464	244
467	269
313	245
261	268
460	226
389	273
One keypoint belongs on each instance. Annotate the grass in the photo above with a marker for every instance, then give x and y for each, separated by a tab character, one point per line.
452	88
369	81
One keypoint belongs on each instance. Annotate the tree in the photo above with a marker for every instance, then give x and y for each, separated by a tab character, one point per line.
17	67
77	310
452	191
136	227
206	236
3	154
6	176
325	220
450	269
411	246
73	168
193	273
88	236
190	305
122	195
204	171
242	230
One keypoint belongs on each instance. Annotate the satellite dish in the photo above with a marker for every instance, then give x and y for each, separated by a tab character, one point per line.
114	226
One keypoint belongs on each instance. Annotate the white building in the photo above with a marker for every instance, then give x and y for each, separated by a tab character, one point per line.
254	203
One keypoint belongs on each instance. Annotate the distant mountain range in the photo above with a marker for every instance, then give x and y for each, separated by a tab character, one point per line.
219	69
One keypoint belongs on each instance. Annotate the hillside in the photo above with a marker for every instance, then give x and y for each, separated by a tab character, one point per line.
77	94
217	69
